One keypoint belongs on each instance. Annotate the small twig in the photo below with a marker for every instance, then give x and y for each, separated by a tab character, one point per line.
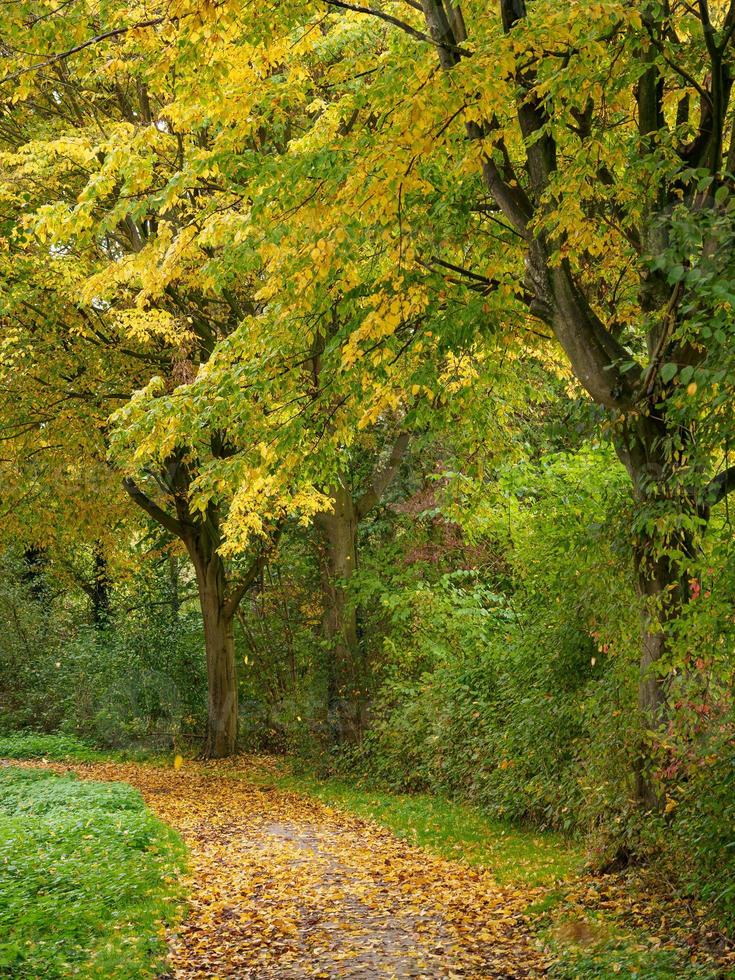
115	32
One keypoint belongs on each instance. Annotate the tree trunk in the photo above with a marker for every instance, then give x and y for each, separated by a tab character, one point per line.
661	586
100	589
347	680
222	682
202	536
219	644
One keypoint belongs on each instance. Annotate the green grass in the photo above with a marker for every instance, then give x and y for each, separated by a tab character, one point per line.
88	877
453	830
70	748
56	748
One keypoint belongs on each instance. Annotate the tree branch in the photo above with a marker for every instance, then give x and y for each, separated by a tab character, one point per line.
382	477
554	295
62	55
532	116
153	510
718	488
412	31
728	28
707	28
252	575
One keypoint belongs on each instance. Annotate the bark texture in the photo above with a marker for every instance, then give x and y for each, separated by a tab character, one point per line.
347	671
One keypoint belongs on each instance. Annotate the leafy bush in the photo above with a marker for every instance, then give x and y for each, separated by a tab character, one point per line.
518	692
512	696
58	748
694	841
705	832
135	681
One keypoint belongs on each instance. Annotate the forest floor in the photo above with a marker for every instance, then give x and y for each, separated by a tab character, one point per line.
284	885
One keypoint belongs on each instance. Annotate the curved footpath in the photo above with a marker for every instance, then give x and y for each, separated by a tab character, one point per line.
283	887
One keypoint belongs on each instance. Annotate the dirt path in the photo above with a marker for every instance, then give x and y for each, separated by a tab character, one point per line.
284	888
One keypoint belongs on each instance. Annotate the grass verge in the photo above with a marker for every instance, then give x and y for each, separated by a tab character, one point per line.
88	879
70	748
55	748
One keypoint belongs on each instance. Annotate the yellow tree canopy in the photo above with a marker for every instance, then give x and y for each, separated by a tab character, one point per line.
366	194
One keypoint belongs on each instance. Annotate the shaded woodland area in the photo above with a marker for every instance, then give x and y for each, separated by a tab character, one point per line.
366	397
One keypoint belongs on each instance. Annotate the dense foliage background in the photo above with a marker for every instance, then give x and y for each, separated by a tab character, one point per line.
502	640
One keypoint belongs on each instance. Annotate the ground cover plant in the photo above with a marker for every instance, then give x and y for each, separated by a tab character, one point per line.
89	877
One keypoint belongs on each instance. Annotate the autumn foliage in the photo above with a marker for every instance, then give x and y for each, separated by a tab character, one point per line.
366	386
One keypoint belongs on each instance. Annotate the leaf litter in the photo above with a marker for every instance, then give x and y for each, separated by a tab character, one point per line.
285	887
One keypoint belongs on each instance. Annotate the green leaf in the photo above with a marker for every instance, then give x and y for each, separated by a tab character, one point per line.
721	195
676	274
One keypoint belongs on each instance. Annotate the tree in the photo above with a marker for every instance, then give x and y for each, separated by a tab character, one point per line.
95	304
348	672
603	142
563	289
409	184
219	598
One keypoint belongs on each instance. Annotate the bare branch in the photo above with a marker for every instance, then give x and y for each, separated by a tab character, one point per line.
396	22
708	28
718	488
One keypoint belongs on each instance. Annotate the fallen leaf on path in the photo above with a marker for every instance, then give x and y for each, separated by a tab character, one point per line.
285	887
